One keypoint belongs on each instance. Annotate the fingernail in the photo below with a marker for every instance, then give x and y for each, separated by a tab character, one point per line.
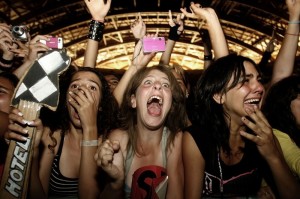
20	114
24	138
25	131
30	122
27	122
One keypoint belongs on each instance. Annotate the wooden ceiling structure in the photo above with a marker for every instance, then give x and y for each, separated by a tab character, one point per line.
248	26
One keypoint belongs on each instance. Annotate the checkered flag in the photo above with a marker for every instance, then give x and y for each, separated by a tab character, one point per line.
38	87
40	83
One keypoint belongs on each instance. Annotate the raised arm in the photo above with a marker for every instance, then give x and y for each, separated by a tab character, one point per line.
207	48
218	41
284	63
139	59
98	9
270	149
17	131
176	29
86	105
6	42
30	53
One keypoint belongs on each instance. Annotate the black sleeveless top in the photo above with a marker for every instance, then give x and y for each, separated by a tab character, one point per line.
222	181
59	184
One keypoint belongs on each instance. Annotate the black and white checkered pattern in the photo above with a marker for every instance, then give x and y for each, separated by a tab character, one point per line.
40	84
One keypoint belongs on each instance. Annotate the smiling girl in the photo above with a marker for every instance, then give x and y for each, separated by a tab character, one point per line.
233	147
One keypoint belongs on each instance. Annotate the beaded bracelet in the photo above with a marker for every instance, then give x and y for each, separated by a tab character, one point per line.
96	30
89	143
207	57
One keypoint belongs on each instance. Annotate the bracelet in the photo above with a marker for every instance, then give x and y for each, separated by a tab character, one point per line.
173	35
5	65
5	61
294	22
100	21
292	34
207	57
96	30
89	143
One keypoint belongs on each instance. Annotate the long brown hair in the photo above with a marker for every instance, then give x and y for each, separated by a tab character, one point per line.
59	120
175	119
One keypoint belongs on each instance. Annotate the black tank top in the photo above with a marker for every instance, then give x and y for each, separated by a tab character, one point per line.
220	180
59	184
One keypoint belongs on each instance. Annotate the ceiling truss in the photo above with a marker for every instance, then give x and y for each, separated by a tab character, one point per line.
248	27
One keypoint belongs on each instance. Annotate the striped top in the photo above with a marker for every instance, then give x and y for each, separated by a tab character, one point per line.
59	184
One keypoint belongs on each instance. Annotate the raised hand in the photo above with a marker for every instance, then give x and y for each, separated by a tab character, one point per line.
177	22
264	138
198	12
138	27
98	8
141	59
6	43
110	158
17	127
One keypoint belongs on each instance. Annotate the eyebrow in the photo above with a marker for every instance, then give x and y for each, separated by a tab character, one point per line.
90	80
6	88
166	78
252	75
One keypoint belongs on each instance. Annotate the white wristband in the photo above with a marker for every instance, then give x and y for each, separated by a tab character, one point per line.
89	143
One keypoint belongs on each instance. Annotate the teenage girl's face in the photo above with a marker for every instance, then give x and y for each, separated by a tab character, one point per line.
6	93
92	84
245	95
295	108
153	99
112	82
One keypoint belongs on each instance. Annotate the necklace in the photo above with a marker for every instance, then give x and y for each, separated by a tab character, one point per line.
221	173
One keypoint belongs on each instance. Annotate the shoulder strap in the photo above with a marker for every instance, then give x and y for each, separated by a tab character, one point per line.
164	146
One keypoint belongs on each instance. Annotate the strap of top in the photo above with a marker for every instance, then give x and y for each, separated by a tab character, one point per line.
61	144
164	141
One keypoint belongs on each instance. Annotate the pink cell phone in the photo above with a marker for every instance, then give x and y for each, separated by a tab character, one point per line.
54	42
154	44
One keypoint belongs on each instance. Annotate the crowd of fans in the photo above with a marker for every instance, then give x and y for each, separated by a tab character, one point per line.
148	133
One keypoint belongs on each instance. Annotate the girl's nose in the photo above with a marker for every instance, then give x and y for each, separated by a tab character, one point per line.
157	85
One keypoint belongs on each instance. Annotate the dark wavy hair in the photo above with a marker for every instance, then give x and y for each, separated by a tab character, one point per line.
175	119
11	77
277	106
209	115
59	120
